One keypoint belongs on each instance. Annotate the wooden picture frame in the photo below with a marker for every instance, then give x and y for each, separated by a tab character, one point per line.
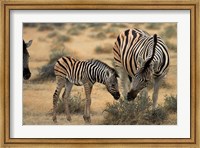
7	5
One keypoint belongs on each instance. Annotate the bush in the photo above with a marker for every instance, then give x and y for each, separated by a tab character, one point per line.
52	34
47	71
58	25
153	26
96	25
73	31
170	32
45	27
120	25
63	38
171	103
171	46
76	105
106	49
113	32
30	25
137	112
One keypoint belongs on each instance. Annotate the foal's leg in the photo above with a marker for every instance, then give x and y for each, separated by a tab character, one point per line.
88	90
157	83
66	94
60	85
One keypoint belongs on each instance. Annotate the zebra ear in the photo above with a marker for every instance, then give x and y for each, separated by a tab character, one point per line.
29	43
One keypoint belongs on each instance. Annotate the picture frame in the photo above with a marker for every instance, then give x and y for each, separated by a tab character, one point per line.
7	6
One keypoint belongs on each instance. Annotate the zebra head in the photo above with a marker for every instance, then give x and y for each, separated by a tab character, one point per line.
143	74
26	71
112	83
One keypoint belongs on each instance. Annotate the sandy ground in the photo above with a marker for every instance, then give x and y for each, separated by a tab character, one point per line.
37	97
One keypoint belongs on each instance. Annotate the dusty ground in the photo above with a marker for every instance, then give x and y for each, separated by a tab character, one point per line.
37	97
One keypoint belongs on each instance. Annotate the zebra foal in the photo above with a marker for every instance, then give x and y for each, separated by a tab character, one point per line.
70	71
141	57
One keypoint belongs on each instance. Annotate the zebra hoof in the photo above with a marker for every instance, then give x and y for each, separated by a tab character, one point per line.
54	119
69	118
87	119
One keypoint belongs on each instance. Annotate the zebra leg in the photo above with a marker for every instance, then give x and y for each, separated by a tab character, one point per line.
88	90
125	83
60	85
66	94
157	83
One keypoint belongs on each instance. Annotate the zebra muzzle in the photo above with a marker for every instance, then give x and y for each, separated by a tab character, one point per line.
116	95
131	95
26	74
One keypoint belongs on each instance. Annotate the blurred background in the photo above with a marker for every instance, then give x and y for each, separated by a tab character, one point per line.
90	41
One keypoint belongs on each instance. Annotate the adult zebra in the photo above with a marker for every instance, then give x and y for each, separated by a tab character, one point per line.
26	70
142	57
70	71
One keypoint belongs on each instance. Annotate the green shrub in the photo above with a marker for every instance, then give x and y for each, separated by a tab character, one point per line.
73	31
169	32
63	38
100	35
58	25
52	34
112	31
153	26
76	105
46	72
120	25
171	103
137	112
96	25
171	46
155	116
45	27
106	49
30	25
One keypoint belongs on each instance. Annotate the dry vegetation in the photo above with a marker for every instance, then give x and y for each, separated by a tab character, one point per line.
86	41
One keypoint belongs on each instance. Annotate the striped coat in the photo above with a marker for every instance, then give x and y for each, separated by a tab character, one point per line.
142	57
70	71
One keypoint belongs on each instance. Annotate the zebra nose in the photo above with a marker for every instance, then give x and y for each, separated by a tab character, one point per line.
26	74
131	96
116	96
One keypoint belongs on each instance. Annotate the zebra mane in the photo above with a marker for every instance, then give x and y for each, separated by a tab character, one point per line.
106	65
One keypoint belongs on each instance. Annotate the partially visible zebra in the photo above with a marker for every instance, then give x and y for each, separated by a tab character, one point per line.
26	71
141	57
70	71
